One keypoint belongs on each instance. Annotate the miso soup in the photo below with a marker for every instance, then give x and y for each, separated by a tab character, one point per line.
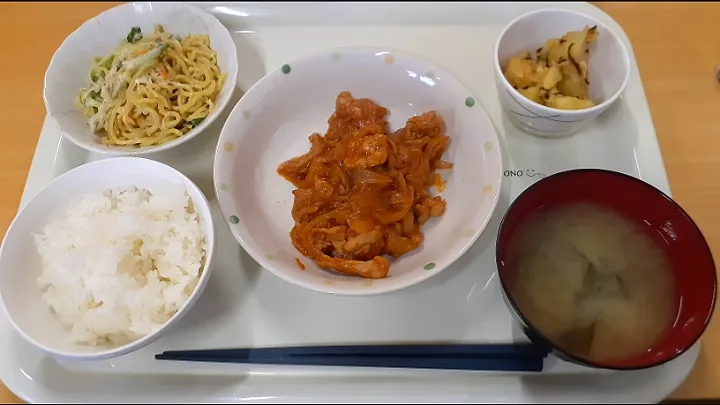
591	281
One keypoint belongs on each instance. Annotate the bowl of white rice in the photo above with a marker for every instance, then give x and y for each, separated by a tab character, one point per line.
105	258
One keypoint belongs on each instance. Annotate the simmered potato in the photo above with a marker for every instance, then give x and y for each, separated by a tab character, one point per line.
532	93
521	70
558	78
549	77
567	103
572	83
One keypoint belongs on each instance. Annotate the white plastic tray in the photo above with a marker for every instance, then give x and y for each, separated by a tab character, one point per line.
245	306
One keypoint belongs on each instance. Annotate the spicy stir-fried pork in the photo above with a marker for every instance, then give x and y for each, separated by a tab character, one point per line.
363	193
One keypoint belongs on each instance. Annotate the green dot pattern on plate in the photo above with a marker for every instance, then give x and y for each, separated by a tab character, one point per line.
224	187
285	68
246	114
488	146
336	55
234	219
429	74
429	266
469	101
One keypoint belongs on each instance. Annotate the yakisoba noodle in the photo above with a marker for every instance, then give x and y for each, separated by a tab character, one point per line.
152	89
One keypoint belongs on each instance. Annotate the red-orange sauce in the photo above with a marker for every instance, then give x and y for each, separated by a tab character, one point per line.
439	183
362	192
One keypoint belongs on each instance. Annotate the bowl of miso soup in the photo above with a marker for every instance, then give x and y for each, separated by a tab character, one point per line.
605	270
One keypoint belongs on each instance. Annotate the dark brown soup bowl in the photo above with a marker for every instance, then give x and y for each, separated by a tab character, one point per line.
662	218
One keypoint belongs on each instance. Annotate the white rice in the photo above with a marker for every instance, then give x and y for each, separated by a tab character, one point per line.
119	263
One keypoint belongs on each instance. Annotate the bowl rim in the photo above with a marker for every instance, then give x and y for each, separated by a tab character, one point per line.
333	289
210	235
542	108
230	83
554	347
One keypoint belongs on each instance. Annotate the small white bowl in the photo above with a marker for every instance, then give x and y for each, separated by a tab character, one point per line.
272	123
20	264
608	74
71	63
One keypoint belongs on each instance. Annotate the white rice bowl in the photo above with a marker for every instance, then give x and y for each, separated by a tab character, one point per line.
118	264
93	268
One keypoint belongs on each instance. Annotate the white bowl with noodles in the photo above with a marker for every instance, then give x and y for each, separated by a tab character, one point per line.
272	123
99	294
140	124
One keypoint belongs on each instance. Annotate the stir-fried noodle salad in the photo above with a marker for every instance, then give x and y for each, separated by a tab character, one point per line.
151	89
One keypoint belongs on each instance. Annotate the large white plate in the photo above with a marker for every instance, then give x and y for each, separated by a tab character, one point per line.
272	123
244	306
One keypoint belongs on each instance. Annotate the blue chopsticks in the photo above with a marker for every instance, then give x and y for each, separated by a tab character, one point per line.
487	357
